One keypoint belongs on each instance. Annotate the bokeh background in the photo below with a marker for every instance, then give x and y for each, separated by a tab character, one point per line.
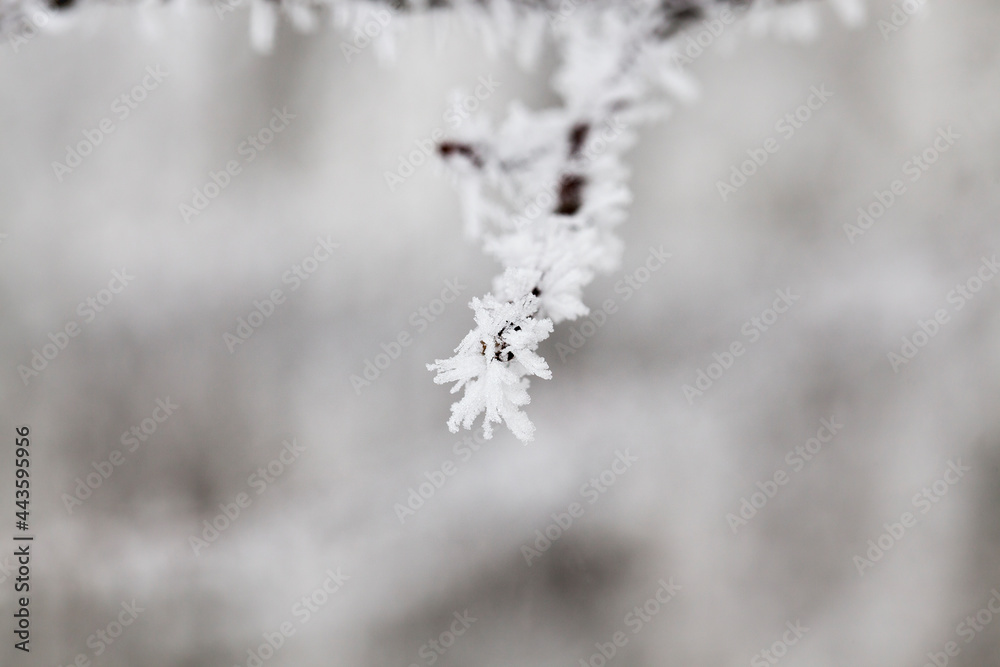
363	451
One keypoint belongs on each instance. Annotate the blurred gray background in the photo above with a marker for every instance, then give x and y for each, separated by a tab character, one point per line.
333	507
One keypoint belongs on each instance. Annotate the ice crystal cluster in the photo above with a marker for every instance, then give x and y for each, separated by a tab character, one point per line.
545	189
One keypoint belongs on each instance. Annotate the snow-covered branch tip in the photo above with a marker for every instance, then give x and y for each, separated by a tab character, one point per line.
546	189
493	360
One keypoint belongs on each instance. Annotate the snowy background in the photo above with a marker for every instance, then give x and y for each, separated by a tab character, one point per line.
665	517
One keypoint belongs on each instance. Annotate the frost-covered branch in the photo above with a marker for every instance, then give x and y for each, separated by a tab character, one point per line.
546	189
